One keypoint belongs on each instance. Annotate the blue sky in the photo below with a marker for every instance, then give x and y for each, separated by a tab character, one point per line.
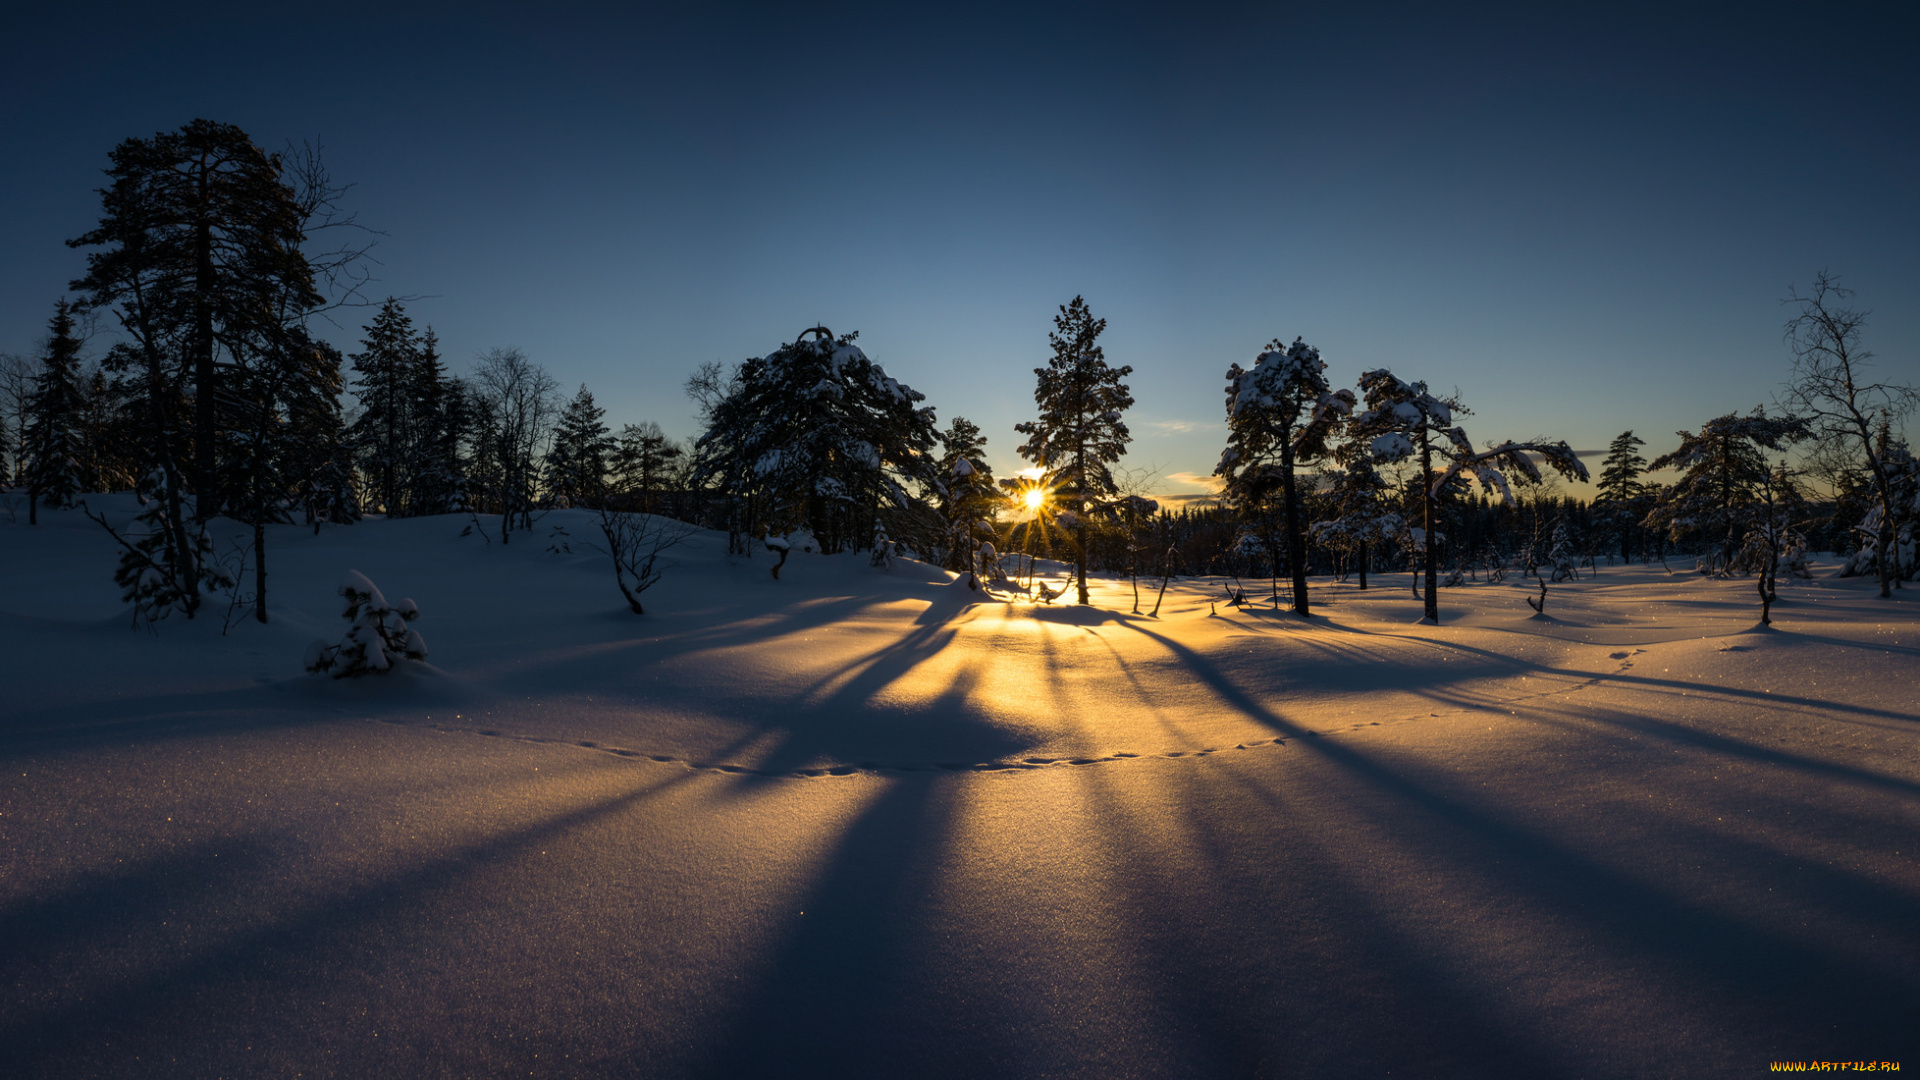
1584	223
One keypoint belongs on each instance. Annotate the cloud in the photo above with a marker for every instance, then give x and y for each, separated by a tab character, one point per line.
1176	427
1210	484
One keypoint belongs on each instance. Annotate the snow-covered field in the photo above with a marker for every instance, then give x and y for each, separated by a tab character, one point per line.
853	823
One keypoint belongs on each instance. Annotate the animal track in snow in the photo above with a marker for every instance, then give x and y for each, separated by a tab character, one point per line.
875	767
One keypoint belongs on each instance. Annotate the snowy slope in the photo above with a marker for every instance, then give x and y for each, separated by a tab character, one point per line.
856	822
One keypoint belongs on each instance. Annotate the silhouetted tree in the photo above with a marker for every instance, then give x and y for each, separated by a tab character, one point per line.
1079	432
1830	389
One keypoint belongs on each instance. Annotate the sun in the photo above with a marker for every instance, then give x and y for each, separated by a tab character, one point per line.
1034	498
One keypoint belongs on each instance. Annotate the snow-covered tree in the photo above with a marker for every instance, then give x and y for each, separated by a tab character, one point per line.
815	435
1079	432
1364	519
378	636
1724	469
1280	412
965	491
1899	556
577	460
1404	421
54	411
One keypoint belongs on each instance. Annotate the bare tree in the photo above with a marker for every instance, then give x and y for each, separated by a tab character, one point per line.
523	401
637	543
16	386
1830	389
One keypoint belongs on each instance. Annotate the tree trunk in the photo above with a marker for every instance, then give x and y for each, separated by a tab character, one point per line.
1296	534
1363	564
1431	558
205	501
260	564
1080	549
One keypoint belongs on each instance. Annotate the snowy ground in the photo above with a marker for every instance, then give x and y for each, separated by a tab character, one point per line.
850	824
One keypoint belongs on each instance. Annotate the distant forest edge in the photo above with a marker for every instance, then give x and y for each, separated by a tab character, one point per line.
212	257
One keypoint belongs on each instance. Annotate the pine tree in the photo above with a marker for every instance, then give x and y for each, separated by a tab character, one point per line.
55	410
1403	419
1280	412
1621	498
815	435
199	224
1362	519
641	462
1725	469
1079	432
1620	472
577	460
387	365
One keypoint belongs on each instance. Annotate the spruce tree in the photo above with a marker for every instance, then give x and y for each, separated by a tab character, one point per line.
577	460
1620	491
1620	472
1079	431
54	413
965	490
387	365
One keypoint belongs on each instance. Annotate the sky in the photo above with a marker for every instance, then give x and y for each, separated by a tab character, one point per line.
1582	222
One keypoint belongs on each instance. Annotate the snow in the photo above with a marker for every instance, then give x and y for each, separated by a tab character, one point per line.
864	822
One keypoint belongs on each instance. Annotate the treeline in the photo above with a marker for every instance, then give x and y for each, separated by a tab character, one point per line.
216	399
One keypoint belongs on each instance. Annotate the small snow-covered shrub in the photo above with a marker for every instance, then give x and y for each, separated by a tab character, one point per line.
377	637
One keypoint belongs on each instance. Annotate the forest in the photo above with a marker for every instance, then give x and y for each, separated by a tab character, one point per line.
212	260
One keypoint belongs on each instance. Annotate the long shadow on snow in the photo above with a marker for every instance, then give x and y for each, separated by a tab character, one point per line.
1780	983
878	978
171	1011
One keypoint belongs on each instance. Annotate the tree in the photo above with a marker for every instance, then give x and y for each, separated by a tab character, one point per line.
200	238
516	411
378	638
387	364
966	491
1403	420
1724	469
643	459
1830	389
1079	432
1357	495
16	384
815	435
54	411
1279	414
637	544
1620	489
577	461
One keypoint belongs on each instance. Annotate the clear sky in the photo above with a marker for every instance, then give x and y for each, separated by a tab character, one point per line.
1583	222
